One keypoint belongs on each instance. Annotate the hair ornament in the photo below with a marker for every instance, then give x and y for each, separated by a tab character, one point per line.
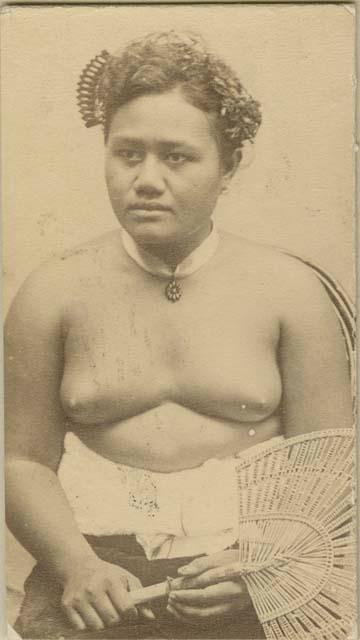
89	100
156	63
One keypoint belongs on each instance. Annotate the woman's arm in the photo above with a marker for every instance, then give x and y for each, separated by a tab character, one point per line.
37	509
313	362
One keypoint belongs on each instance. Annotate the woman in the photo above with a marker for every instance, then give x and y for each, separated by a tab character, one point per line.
168	348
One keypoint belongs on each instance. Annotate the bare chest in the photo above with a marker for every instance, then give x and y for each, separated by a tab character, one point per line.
211	355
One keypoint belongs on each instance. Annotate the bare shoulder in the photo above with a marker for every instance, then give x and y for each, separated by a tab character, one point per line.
50	289
292	284
98	246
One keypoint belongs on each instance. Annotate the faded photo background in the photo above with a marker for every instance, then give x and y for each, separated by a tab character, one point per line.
295	190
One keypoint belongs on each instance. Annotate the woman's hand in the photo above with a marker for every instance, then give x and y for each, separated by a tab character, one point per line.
96	595
202	597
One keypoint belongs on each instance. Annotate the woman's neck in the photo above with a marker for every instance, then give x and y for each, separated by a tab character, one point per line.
173	254
176	261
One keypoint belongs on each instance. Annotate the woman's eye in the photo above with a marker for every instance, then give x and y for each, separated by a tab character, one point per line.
131	155
176	158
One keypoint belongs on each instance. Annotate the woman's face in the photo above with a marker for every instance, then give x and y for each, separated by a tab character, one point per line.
163	169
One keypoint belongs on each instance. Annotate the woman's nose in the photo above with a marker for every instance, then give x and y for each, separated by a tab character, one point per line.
149	178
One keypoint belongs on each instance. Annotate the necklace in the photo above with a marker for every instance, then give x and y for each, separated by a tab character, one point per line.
173	290
154	265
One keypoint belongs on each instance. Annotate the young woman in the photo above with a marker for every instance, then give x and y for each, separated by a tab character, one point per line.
139	365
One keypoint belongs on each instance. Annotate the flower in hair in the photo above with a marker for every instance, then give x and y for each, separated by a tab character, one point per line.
158	62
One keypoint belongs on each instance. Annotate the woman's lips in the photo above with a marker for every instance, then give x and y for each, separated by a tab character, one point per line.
148	211
148	206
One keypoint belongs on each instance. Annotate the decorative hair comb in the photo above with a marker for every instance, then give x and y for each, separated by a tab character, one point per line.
91	106
241	114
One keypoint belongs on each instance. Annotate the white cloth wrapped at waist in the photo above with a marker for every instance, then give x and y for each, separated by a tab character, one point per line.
176	514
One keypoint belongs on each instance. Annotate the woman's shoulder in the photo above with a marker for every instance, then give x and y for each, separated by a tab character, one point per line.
286	277
59	278
98	248
73	262
265	259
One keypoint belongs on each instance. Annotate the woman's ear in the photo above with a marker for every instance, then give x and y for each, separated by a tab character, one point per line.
231	167
247	155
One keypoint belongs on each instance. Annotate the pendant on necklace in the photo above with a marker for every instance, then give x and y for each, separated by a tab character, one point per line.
173	291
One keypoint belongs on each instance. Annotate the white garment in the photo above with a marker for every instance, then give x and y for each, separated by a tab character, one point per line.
192	263
176	514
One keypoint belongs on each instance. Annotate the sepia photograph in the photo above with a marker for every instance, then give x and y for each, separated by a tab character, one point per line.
179	345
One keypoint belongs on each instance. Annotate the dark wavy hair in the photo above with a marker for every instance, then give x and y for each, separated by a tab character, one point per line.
161	61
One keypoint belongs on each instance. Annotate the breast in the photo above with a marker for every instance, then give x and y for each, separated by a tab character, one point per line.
240	388
79	399
87	402
216	394
210	365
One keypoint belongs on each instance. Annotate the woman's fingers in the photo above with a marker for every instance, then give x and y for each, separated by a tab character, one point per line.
133	582
101	612
198	566
210	577
209	596
214	601
75	619
204	563
90	616
97	595
82	614
190	614
175	614
106	610
123	603
146	612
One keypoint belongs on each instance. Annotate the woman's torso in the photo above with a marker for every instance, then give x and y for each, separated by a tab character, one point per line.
165	386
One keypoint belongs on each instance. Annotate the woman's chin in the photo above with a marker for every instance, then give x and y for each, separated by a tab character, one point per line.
152	232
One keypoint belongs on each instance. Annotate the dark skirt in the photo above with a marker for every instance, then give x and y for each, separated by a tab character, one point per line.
42	617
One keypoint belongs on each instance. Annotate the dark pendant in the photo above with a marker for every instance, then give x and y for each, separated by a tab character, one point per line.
173	291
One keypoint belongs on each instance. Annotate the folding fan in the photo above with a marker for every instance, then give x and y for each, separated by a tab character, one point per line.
296	537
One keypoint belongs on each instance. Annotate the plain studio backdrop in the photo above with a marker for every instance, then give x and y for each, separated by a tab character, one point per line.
297	192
